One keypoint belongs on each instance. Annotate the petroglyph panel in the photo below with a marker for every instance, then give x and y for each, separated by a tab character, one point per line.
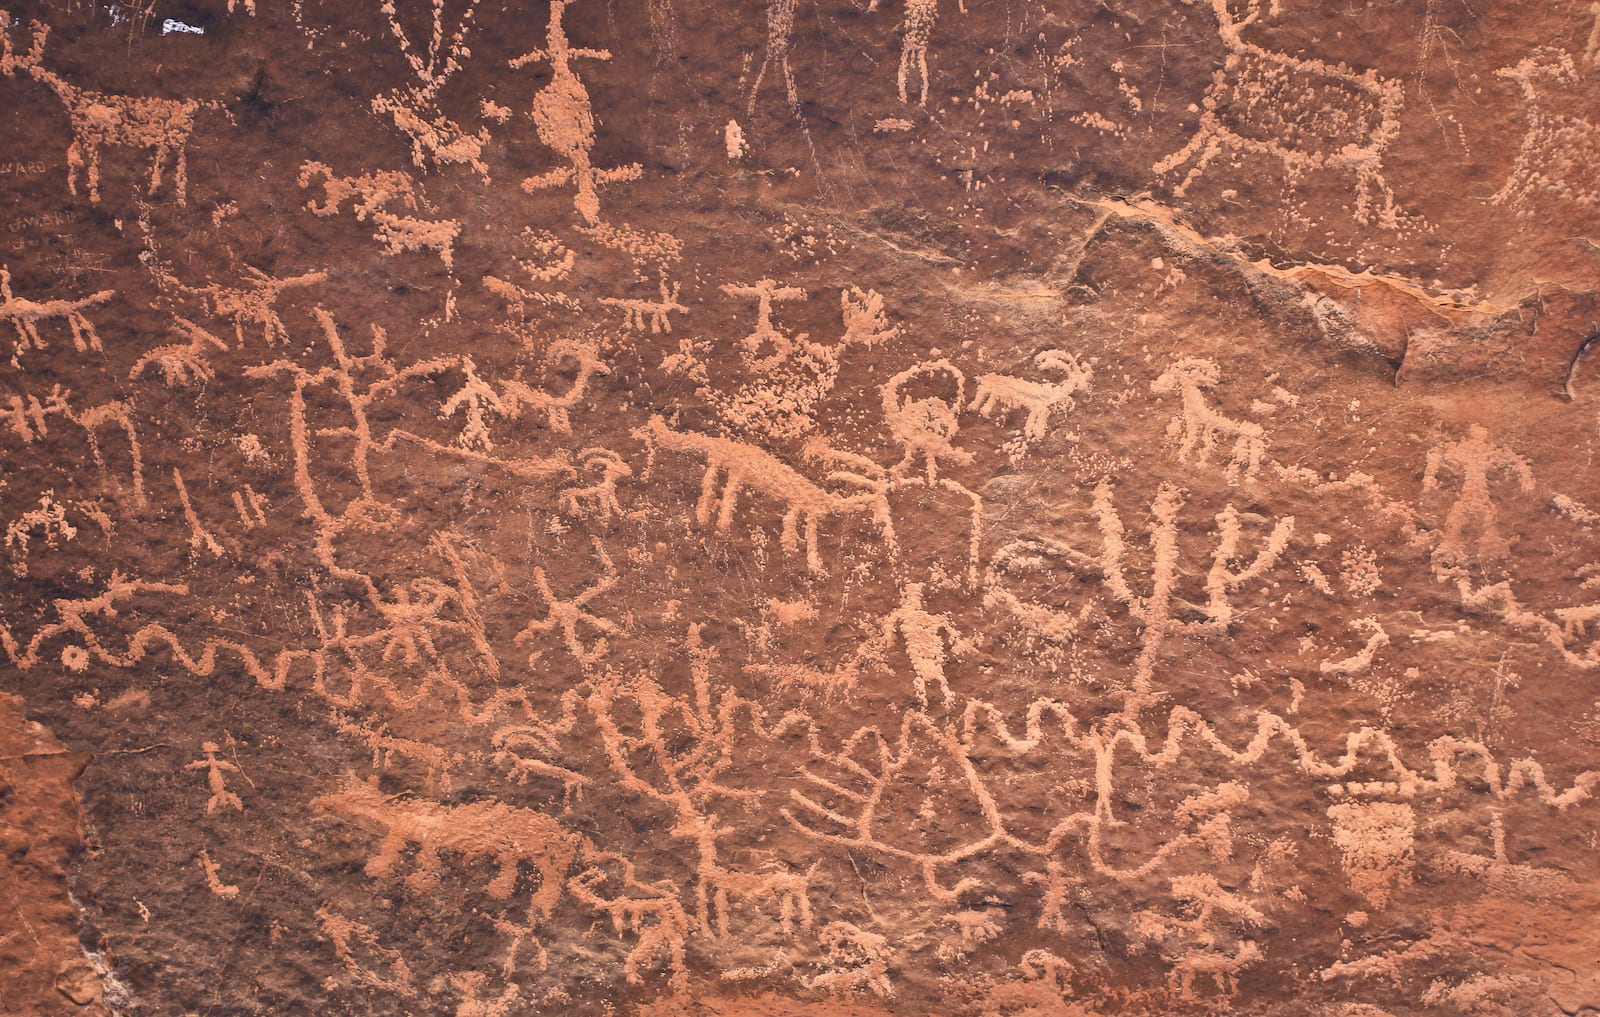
877	507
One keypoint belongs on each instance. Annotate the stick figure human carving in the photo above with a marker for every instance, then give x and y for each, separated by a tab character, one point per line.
925	634
916	30
1557	147
780	28
221	797
567	615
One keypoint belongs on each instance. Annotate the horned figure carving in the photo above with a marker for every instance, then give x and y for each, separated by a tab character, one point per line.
99	119
1004	393
1198	426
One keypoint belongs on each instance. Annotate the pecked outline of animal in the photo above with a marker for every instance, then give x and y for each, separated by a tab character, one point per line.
99	119
479	829
1252	68
1005	393
806	504
1223	968
25	315
1199	424
556	407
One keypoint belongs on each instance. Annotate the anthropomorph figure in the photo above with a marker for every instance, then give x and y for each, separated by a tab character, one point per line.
924	634
564	120
1476	458
221	797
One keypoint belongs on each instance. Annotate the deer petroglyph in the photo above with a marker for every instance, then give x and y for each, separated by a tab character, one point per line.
100	120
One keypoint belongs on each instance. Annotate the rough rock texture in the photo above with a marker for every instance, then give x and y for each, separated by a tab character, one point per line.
816	507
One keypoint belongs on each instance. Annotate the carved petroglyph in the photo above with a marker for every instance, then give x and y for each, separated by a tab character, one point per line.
349	936
600	497
100	120
217	770
252	303
855	961
925	637
925	425
1307	114
1552	158
1476	459
508	836
652	315
766	336
182	363
48	521
1004	393
1155	609
29	419
584	358
25	315
415	107
879	591
213	874
1358	662
357	382
775	57
1200	946
789	375
1198	426
1375	844
650	912
916	29
564	120
369	193
567	615
1034	555
739	467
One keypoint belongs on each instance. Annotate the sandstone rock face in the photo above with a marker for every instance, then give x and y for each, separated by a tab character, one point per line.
817	507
